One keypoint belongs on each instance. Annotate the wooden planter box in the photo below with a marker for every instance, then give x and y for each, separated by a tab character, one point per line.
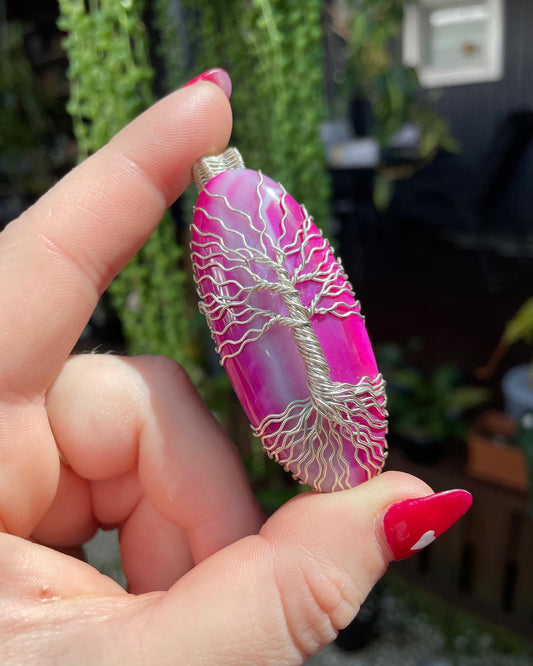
490	458
483	563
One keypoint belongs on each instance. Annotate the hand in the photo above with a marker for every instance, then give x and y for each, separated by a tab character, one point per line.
100	440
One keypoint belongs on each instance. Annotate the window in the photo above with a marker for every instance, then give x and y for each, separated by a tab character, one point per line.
452	42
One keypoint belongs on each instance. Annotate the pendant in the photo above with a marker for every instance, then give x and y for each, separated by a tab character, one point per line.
287	327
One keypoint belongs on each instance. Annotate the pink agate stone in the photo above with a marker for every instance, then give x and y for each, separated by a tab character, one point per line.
289	331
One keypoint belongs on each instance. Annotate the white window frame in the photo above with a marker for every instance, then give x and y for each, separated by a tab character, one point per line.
430	78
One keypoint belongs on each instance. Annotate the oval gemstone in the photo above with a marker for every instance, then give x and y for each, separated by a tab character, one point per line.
289	331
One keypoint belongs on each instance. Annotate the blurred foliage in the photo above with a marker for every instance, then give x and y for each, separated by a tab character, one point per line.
273	52
426	405
111	82
518	329
172	48
22	119
25	119
520	326
374	68
392	88
109	70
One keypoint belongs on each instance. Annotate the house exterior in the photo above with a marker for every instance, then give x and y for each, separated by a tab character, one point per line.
493	118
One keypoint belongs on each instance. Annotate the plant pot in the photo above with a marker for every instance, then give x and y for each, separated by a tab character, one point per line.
518	391
491	454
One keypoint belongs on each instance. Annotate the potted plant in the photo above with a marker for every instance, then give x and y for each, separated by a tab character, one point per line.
499	443
493	454
427	410
388	96
517	383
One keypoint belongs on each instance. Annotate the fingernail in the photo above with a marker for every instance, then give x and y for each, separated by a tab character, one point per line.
217	76
413	524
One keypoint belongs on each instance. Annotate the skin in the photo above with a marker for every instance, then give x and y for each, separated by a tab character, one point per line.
101	440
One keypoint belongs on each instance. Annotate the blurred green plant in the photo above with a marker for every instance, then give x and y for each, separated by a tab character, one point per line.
111	82
24	120
518	329
22	117
392	88
427	406
273	52
372	31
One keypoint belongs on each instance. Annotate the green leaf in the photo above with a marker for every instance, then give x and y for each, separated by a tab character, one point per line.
520	327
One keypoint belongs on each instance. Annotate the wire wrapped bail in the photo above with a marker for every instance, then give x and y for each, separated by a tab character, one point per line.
210	166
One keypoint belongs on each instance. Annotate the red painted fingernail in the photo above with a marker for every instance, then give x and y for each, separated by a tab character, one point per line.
217	76
414	523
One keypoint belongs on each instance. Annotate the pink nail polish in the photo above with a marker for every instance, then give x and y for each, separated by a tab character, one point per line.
217	76
413	524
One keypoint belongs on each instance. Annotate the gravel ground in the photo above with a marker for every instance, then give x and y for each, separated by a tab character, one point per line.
103	552
404	638
407	639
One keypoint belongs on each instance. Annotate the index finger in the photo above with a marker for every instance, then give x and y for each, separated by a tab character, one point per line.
60	255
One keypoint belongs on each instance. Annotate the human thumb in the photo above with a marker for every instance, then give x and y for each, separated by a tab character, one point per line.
282	595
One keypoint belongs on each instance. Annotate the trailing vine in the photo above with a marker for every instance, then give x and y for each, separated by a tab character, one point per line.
273	52
111	79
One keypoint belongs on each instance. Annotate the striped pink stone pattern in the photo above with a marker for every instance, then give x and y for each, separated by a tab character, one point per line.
268	282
